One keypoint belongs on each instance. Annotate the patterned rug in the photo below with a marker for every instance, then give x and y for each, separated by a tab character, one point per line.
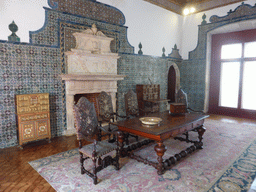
227	163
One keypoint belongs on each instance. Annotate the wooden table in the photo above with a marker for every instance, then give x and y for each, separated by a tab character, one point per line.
170	127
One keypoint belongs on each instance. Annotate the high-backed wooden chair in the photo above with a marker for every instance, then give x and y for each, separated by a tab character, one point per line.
106	113
181	97
131	108
87	128
131	104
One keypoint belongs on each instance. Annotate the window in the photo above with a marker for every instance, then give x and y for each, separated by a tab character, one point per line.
233	74
237	72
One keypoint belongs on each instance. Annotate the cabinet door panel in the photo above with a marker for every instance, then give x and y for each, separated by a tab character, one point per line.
27	132
43	128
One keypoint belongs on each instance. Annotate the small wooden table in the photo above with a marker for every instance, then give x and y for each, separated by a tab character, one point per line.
171	126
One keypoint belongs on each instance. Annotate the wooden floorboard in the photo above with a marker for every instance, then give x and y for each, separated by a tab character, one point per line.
15	172
17	175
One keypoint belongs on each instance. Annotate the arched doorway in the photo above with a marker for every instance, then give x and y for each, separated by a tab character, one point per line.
173	82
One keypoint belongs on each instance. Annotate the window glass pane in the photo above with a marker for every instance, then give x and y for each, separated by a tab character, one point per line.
249	88
229	84
249	49
231	51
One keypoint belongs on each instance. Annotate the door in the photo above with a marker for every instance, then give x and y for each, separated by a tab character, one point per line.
233	74
171	84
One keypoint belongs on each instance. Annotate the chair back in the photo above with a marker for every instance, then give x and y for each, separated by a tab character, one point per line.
131	103
105	106
86	122
181	97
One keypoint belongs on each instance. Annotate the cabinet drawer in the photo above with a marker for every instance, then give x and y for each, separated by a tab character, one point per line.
33	117
181	130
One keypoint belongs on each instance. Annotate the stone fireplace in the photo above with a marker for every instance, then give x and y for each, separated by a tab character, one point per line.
91	68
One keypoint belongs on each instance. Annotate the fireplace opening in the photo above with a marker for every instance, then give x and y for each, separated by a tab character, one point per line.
92	97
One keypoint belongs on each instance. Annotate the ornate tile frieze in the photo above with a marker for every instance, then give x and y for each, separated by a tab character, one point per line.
90	9
243	10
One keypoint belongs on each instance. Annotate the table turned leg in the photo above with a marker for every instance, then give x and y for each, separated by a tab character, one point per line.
201	131
160	150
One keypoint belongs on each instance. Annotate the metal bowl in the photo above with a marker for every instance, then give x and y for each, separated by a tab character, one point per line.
150	120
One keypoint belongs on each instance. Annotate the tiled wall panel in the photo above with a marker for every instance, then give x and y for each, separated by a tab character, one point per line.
142	69
193	71
27	69
36	67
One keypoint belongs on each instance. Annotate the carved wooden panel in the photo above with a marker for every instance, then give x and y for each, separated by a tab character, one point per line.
33	116
32	103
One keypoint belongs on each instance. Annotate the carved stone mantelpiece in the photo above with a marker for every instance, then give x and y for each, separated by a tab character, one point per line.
78	84
92	68
80	62
92	54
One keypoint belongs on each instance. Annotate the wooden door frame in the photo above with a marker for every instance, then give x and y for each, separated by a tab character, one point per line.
217	41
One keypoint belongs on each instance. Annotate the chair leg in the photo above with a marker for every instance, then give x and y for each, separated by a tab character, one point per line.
127	138
187	137
99	135
109	136
117	158
99	161
82	163
94	172
95	180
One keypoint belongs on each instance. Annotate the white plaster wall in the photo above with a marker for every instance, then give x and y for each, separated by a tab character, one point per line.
29	15
149	24
190	26
153	26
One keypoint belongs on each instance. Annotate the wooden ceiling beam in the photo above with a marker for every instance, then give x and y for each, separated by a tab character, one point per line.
177	6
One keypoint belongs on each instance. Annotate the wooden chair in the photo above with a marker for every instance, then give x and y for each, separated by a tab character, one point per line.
87	128
107	114
131	108
181	97
131	104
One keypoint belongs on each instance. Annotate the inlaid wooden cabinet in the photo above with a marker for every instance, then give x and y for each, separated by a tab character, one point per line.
33	117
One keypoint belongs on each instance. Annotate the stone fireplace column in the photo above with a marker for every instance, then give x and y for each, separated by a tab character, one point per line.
113	96
70	115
